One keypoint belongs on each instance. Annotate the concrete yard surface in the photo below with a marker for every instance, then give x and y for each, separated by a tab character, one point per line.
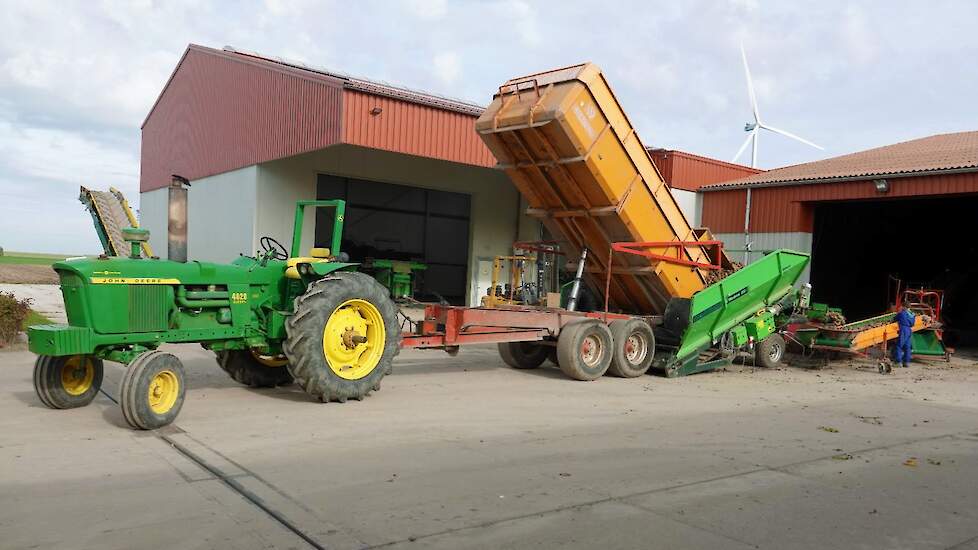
465	453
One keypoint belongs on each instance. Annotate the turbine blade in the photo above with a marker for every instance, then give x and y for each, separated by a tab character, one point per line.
743	147
750	85
753	155
792	136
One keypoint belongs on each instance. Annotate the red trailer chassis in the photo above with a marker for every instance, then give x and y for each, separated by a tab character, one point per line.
447	327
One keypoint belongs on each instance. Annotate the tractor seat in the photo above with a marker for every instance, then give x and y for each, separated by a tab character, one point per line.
316	255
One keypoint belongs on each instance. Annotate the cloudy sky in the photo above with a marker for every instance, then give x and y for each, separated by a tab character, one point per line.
77	78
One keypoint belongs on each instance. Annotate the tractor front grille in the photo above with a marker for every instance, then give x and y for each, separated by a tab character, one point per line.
148	308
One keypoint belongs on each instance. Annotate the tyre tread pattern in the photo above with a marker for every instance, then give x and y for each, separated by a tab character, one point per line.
304	344
48	386
621	330
762	351
135	407
243	368
523	355
568	350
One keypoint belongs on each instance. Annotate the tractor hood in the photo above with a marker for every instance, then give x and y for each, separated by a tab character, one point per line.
121	270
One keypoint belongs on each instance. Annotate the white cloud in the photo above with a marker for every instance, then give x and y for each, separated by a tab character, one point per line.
859	36
428	9
447	67
66	157
77	78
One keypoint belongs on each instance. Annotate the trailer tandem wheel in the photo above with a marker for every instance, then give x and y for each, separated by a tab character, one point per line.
584	349
633	348
152	390
68	381
342	337
523	355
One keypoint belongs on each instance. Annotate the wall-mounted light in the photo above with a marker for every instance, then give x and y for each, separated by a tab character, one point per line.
882	186
376	111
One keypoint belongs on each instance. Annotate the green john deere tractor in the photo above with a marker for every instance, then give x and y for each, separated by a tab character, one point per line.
272	319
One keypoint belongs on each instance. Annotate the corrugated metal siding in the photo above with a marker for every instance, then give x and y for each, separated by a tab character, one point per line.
413	129
690	172
219	114
723	211
789	208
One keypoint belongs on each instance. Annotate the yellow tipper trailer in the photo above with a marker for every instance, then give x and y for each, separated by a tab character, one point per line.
567	145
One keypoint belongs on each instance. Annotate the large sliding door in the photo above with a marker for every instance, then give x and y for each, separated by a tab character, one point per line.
401	222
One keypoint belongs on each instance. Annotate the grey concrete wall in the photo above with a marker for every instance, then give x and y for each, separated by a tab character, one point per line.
220	216
734	242
497	218
691	203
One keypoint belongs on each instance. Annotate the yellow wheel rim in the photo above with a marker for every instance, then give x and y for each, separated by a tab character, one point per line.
353	339
163	391
270	360
77	374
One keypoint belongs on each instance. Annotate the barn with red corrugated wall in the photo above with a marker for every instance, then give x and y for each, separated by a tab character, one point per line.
254	134
901	212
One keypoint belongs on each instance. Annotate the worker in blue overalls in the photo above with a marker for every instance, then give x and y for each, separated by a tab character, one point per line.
905	320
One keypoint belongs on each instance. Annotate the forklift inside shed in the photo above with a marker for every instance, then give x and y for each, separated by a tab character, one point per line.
858	246
386	221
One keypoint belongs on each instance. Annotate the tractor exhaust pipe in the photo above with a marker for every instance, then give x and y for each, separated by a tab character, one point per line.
177	219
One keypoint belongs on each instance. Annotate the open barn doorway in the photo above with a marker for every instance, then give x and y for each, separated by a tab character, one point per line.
858	245
401	222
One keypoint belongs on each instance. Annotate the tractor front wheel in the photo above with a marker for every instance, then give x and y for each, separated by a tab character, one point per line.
152	390
342	337
67	382
253	369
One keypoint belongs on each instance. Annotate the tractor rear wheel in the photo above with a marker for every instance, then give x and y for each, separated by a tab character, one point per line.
152	390
769	351
523	355
254	370
68	381
634	348
342	337
584	350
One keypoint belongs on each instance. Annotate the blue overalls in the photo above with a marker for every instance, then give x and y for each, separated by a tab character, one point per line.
905	320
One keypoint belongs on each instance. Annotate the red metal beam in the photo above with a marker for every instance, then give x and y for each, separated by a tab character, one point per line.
448	326
639	249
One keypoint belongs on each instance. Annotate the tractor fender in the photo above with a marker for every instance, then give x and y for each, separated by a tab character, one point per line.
325	268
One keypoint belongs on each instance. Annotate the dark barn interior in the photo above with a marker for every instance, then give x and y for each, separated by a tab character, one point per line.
859	246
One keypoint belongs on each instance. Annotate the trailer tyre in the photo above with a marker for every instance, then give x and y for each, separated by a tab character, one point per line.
769	352
584	350
523	355
254	370
634	348
68	381
152	390
342	337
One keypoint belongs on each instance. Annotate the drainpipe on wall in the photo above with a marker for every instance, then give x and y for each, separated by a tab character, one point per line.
747	229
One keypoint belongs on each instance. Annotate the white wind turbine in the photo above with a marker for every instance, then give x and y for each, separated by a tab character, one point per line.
753	129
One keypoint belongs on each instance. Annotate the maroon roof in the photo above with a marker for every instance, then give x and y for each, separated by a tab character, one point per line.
687	171
934	154
223	109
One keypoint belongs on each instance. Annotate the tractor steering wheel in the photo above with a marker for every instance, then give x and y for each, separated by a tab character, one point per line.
273	247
